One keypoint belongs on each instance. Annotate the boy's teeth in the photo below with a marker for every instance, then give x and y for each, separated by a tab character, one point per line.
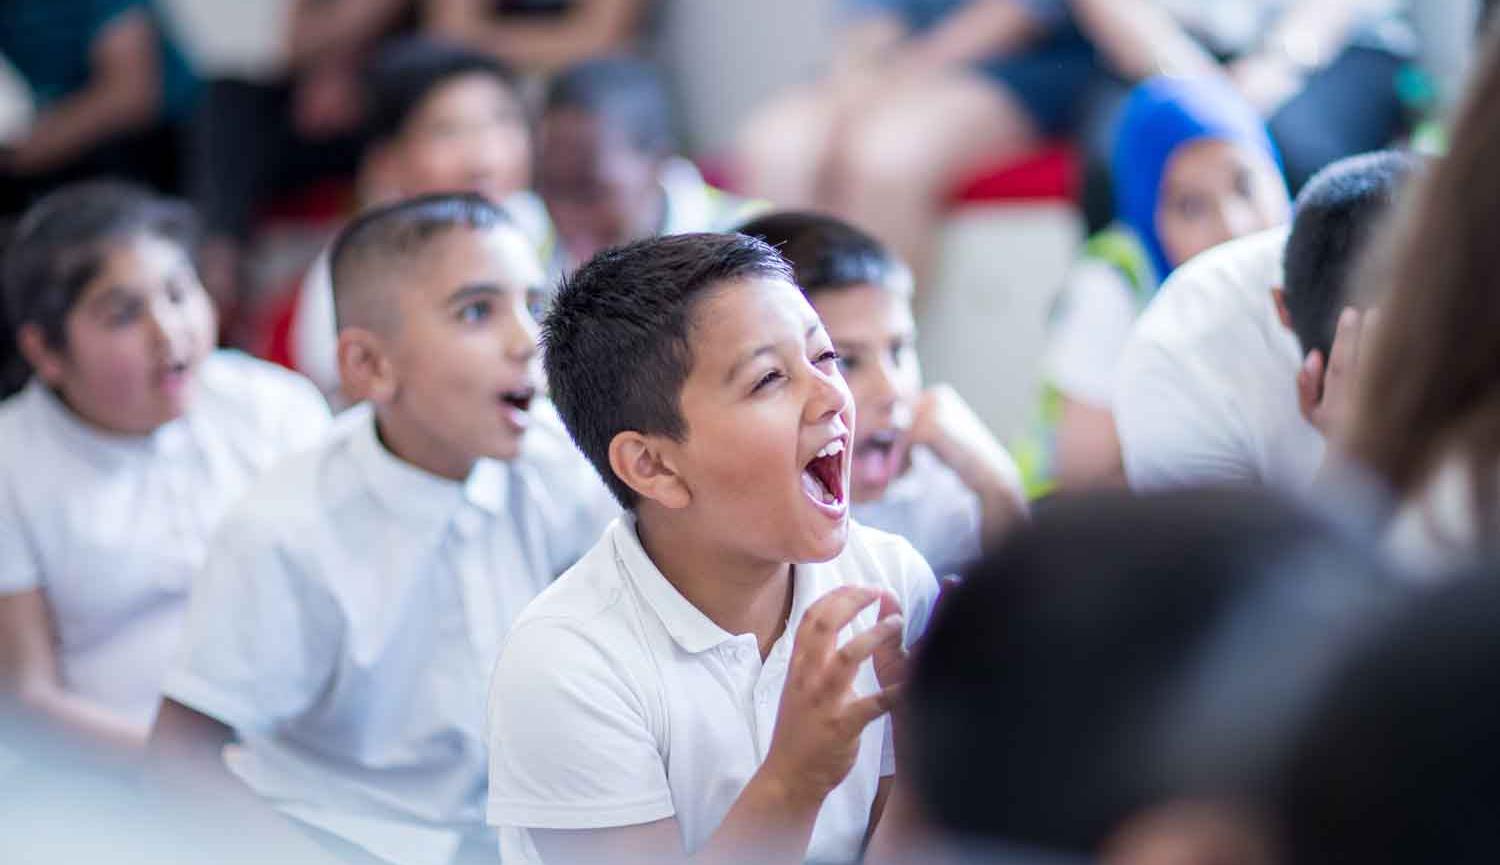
834	447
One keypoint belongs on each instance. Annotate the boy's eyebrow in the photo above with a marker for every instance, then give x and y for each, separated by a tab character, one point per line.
476	290
765	349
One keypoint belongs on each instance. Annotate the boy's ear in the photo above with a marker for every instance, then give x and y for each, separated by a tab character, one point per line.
365	369
44	360
1278	296
639	460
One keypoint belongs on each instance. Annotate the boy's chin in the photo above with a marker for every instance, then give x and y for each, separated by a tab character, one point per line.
824	545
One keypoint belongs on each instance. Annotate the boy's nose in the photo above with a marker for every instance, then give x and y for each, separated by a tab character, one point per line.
830	397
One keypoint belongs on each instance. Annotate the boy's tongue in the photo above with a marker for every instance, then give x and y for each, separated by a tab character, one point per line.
873	466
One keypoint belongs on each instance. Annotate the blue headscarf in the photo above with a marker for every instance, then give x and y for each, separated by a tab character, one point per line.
1161	115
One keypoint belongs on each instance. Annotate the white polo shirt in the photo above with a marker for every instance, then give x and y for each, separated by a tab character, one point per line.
1207	387
616	702
349	616
111	528
931	508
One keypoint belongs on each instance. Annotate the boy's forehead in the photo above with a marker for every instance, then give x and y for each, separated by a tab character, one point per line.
497	254
744	314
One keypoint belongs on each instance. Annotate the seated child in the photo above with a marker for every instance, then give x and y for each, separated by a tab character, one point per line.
1193	167
608	169
680	692
347	621
441	119
120	456
1223	380
922	464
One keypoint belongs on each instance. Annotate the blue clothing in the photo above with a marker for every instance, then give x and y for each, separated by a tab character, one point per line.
1049	77
49	42
1160	116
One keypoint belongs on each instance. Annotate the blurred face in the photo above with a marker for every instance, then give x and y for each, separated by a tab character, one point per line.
768	416
1213	192
600	191
135	339
461	360
468	135
873	331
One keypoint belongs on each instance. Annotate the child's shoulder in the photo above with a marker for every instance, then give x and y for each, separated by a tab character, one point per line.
292	502
873	557
246	389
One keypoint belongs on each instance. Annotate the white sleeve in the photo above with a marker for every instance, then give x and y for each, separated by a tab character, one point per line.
571	743
260	640
20	571
1093	321
1176	427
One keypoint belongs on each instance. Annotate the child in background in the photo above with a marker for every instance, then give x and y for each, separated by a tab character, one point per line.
681	692
442	119
608	169
923	465
120	456
348	619
1193	168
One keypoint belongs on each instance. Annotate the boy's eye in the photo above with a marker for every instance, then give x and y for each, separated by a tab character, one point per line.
827	357
1243	183
1191	207
767	380
124	313
473	313
848	363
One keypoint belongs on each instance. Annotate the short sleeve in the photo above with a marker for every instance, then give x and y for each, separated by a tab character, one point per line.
1176	428
260	641
1093	321
20	569
571	742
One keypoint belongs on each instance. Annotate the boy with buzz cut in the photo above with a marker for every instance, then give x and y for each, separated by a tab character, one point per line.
712	681
349	616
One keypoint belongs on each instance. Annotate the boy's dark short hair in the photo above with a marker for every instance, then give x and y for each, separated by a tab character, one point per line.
59	245
1336	214
1120	652
1397	765
626	93
380	239
405	72
828	253
616	342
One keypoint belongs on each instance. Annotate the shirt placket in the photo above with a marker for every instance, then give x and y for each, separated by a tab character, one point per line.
470	539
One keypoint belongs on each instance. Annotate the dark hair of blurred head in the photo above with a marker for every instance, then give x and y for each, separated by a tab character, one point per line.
827	253
1399	763
1119	654
404	73
1336	214
624	92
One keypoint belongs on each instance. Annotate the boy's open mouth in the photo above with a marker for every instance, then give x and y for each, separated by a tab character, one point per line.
875	458
519	399
823	477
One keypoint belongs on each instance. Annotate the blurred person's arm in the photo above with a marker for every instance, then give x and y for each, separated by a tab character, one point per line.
947	425
185	767
322	29
31	679
980	30
1088	447
589	28
1308	35
1139	39
123	94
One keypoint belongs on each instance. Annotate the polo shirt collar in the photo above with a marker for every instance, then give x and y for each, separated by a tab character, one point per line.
418	494
692	630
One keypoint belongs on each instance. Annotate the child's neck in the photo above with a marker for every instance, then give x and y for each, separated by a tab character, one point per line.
739	594
413	446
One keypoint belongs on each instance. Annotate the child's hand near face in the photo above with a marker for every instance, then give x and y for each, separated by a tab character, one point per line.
820	719
946	425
